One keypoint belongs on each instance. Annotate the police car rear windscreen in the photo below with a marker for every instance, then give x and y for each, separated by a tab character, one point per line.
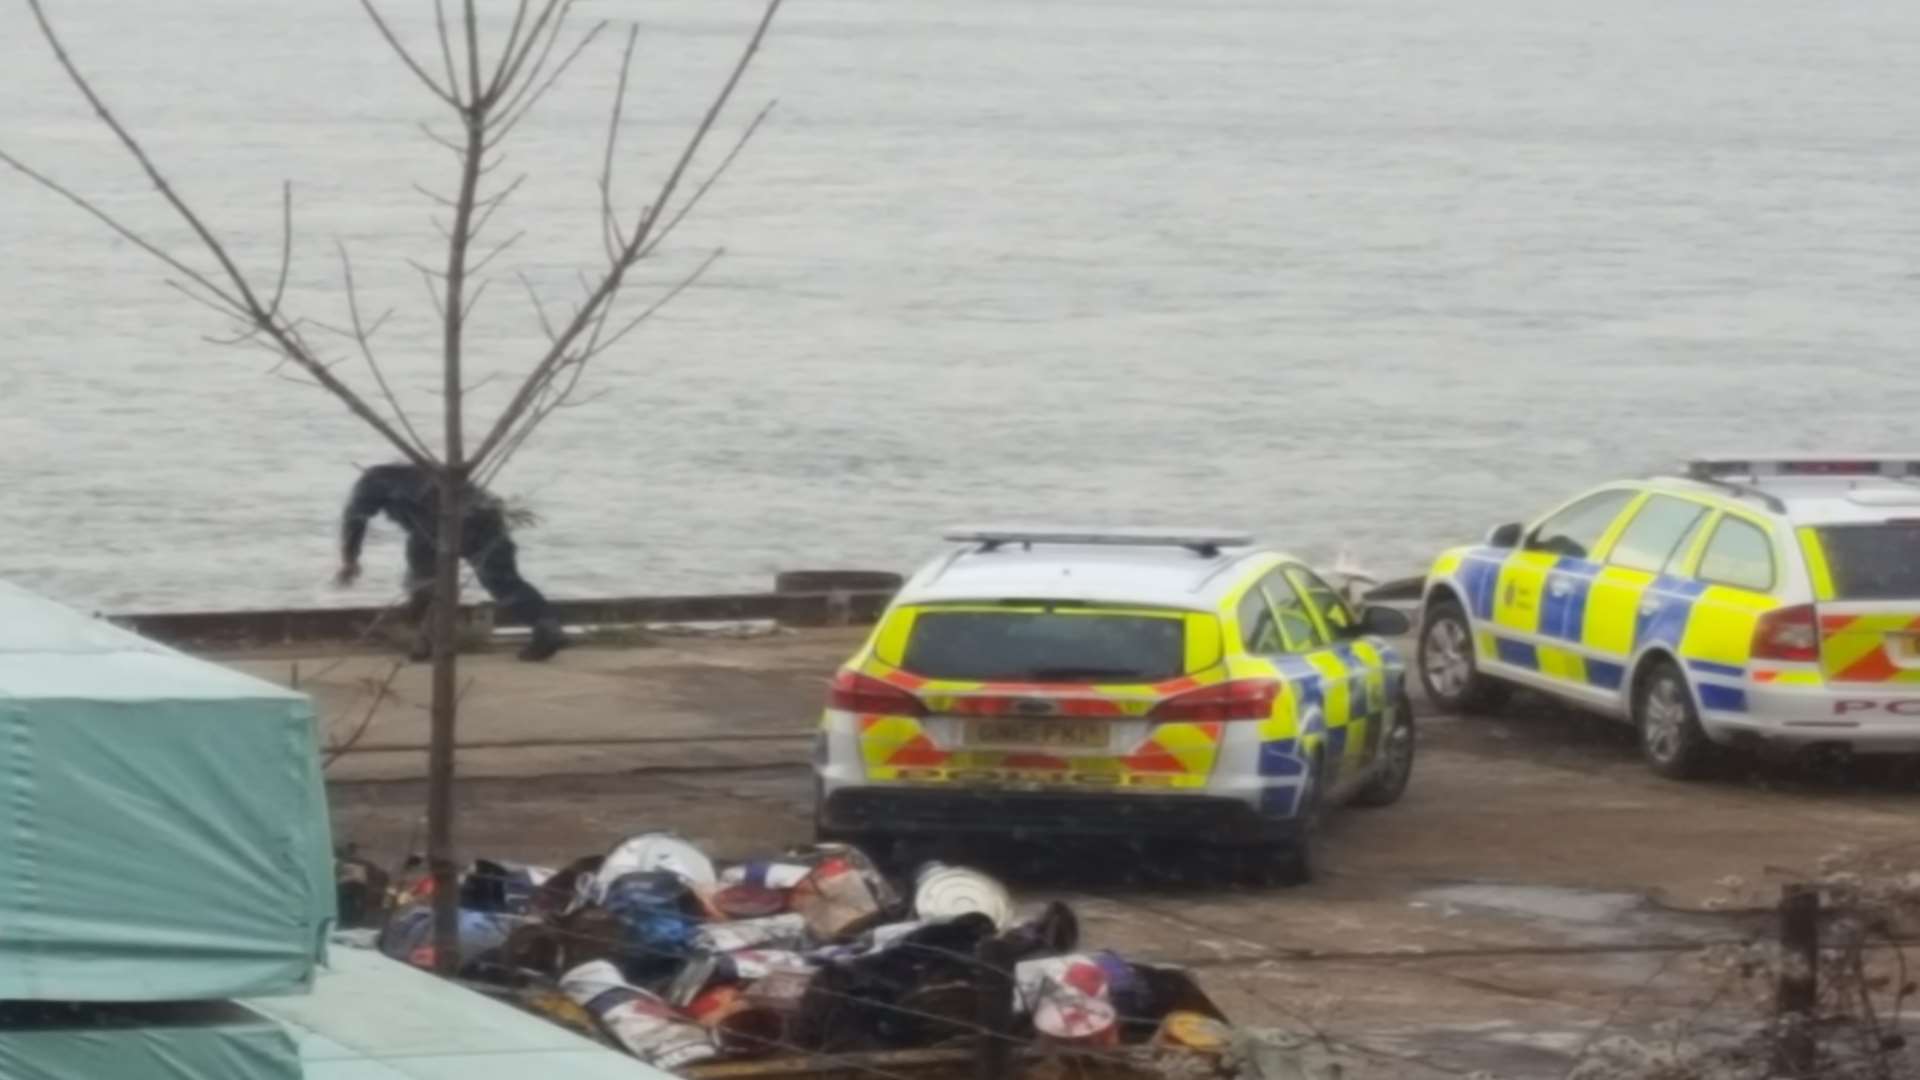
1873	562
1082	645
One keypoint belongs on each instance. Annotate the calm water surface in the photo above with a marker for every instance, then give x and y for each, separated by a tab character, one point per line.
1372	273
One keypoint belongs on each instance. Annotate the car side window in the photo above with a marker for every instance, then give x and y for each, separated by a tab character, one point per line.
1576	530
1334	614
1658	530
1273	619
1296	622
1739	555
1258	631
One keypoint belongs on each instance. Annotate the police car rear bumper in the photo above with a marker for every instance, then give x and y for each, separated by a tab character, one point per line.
1865	720
1016	814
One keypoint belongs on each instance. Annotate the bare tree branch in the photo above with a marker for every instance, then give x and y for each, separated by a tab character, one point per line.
224	312
400	50
250	336
719	170
344	746
431	194
683	285
609	221
125	232
507	51
440	139
363	336
634	250
546	31
433	291
487	380
493	204
672	184
446	47
473	57
495	253
575	367
539	307
286	246
510	118
466	312
243	292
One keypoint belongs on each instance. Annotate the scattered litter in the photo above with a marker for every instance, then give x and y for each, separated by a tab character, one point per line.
771	932
1193	1031
837	900
653	948
658	851
642	1024
948	892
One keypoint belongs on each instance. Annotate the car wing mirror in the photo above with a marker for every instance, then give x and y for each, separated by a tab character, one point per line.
1385	621
1506	536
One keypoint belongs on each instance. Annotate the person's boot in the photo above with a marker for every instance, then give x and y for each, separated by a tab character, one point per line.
548	639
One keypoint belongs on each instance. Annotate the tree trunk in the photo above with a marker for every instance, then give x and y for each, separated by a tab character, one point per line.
446	566
445	629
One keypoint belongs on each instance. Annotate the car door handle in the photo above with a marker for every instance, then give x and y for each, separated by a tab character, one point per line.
1560	587
1651	607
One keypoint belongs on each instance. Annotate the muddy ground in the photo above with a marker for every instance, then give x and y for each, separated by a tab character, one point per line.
1535	887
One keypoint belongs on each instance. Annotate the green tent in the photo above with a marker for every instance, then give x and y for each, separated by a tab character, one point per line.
212	1040
163	826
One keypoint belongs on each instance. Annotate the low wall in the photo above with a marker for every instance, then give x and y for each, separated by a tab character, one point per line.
800	598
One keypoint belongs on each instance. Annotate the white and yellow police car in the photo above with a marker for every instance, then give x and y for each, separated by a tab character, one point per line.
1130	684
1749	600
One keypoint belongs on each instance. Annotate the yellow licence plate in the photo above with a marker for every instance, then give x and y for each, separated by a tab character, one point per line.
1082	734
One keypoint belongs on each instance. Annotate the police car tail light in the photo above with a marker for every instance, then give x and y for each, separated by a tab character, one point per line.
1787	634
1240	699
864	694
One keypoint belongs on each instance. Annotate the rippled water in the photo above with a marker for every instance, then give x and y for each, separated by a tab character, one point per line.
1368	272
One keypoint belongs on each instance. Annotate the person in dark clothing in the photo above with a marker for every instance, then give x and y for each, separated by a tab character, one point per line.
408	495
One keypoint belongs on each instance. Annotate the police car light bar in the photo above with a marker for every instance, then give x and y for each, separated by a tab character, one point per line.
1722	468
1206	542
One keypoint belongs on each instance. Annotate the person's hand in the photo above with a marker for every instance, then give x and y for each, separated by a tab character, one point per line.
349	573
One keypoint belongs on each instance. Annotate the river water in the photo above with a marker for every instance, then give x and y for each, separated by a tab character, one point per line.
1372	273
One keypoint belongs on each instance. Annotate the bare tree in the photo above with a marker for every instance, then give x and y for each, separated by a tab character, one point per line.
485	102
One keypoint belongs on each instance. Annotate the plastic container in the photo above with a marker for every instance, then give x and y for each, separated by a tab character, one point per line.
944	892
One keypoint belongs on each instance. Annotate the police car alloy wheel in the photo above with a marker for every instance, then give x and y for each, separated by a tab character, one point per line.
1447	669
1396	764
1295	865
1670	735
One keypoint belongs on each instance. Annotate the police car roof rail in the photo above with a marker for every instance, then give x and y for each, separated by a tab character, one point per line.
1806	466
1714	472
1772	502
1207	543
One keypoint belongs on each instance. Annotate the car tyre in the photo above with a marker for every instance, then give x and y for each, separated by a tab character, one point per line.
1452	678
1396	767
1296	862
1671	739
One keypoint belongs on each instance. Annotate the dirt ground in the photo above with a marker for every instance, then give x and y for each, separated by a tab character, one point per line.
1535	887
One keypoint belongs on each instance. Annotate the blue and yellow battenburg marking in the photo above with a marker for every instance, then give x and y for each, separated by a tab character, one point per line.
1584	620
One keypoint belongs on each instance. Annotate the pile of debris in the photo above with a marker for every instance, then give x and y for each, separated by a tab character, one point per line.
680	962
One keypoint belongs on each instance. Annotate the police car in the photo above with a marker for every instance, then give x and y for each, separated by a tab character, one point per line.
1749	600
1138	683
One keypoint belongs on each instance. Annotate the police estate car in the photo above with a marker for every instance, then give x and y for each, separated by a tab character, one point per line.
1133	684
1771	600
